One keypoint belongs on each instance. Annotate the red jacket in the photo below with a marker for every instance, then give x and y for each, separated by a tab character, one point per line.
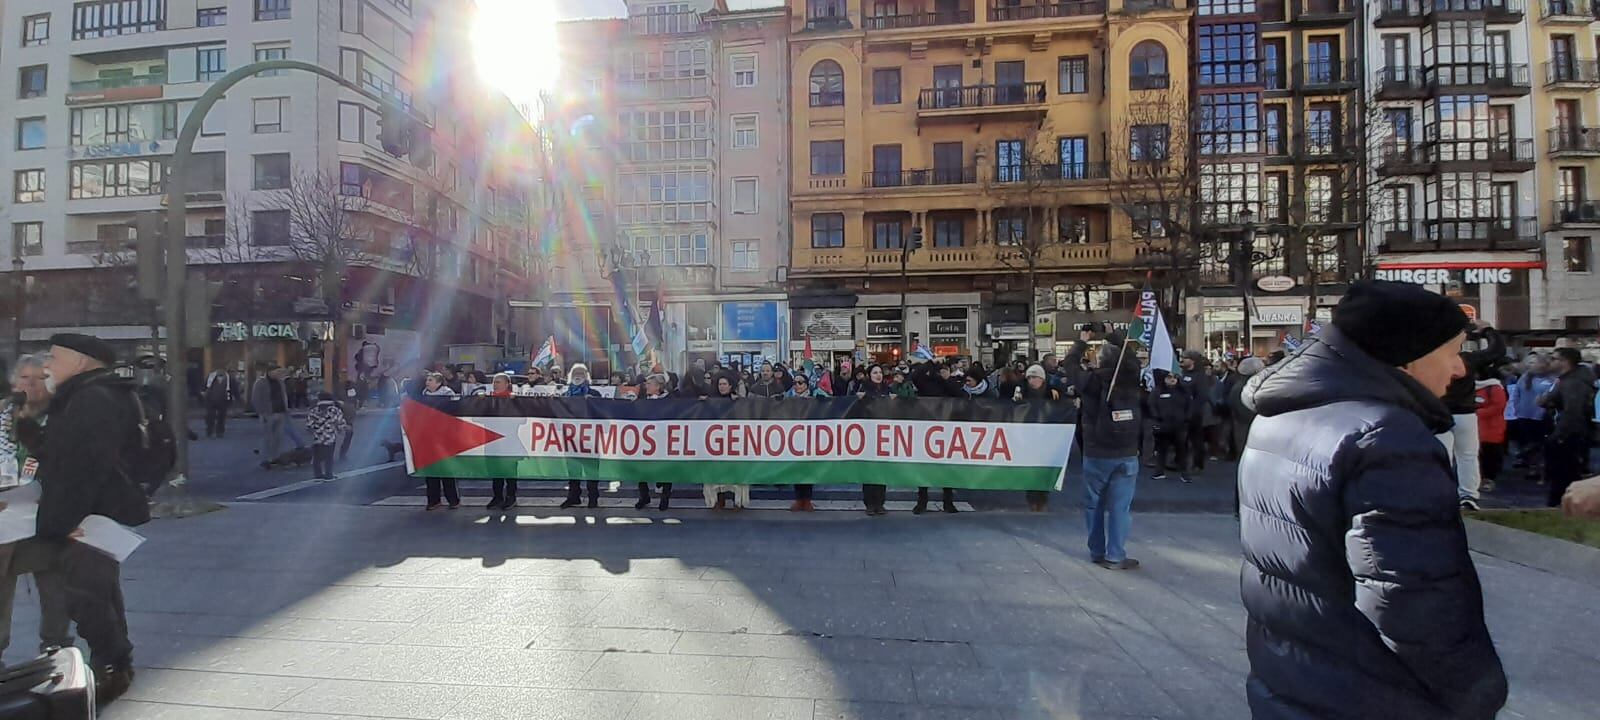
1492	414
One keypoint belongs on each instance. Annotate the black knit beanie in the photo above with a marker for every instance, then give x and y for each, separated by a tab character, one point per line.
1397	322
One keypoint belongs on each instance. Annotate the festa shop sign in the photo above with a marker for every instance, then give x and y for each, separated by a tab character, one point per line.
994	445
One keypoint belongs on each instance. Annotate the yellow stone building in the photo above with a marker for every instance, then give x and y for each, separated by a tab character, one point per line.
993	128
1564	46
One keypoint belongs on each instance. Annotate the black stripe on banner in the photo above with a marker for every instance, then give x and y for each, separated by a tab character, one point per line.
930	409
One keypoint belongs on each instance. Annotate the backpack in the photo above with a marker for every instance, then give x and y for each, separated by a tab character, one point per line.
152	454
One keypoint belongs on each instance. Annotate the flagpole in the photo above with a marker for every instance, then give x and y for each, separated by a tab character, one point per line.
1118	369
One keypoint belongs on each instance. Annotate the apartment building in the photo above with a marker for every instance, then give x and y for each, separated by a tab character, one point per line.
994	131
1279	139
96	92
1565	47
668	166
1455	202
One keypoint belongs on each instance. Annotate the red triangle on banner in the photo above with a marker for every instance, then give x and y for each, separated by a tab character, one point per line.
435	436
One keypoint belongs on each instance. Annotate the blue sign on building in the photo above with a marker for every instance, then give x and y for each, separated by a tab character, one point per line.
750	321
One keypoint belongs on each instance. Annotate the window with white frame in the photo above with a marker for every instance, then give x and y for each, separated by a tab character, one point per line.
29	186
667	195
36	30
358	123
28	237
211	63
271	115
674	249
678	70
272	9
665	135
746	254
743	67
746	191
271	51
745	132
135	122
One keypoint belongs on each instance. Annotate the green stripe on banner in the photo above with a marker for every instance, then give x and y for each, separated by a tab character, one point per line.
744	472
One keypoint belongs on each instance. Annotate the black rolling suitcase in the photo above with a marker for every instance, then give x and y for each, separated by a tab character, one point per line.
54	686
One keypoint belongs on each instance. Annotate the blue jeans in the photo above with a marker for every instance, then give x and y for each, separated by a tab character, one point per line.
1108	495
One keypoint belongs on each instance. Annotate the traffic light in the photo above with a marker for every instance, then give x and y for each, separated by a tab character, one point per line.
395	130
916	238
148	230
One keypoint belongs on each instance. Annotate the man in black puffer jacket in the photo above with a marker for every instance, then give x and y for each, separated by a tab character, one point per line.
1362	599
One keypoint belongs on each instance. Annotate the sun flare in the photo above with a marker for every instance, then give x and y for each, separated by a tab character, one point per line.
514	46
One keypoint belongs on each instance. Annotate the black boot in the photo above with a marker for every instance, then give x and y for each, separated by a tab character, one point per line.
950	500
573	498
922	501
111	681
594	494
644	497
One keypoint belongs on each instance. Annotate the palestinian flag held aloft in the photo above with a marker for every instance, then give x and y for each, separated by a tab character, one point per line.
1150	330
990	445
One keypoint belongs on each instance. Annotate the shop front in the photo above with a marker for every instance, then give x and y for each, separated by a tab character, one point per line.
1497	293
829	333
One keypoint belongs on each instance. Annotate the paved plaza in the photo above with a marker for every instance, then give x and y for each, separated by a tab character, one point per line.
272	611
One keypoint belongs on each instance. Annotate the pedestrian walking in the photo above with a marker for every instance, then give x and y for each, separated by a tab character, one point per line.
93	434
325	422
1362	599
29	400
1462	402
440	489
1168	409
1491	410
217	396
270	399
1566	452
1110	418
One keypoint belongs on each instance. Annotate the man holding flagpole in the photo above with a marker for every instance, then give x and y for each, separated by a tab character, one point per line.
1110	419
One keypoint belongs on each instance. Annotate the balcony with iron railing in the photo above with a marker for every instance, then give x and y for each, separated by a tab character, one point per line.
1485	78
1049	173
1326	147
821	23
1578	12
1274	77
1403	158
1487	233
920	178
980	98
1134	7
1399	13
1573	213
1574	141
1492	11
903	21
1484	233
1399	82
1319	12
676	22
1572	72
1329	75
1001	10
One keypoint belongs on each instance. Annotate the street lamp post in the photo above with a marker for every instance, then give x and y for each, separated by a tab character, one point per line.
19	289
1247	262
177	256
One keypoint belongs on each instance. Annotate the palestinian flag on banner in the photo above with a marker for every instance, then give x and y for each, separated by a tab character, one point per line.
909	443
1149	329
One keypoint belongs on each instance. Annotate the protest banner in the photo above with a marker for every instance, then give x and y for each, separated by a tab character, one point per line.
989	445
